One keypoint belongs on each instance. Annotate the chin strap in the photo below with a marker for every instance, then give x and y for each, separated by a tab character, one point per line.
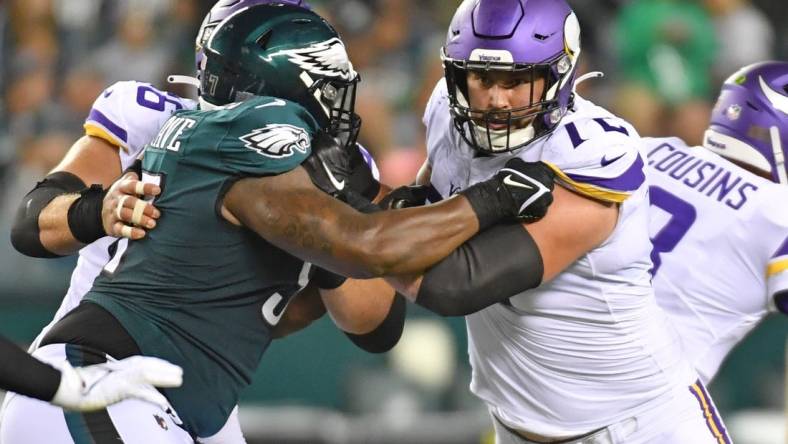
587	76
185	80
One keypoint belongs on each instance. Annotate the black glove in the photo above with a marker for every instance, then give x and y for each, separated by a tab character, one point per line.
329	165
335	169
361	179
521	191
405	197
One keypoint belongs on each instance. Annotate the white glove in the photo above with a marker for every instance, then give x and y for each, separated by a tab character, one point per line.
96	386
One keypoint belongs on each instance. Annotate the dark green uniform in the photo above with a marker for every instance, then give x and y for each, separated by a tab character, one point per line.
199	291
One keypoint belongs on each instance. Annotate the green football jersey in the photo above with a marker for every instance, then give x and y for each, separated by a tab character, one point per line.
198	291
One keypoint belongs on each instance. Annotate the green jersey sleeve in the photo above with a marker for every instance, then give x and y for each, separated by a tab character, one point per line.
267	136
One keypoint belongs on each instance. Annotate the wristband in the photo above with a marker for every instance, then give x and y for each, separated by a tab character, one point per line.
84	215
486	202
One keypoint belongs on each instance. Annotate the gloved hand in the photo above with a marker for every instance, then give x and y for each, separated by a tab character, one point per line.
94	387
336	169
329	165
405	197
521	191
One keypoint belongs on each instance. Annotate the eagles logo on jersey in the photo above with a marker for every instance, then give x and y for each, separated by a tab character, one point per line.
277	140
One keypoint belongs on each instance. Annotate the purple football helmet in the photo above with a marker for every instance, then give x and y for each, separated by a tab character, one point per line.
536	37
220	11
749	123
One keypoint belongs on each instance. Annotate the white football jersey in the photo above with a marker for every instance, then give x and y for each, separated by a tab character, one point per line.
590	347
128	115
720	237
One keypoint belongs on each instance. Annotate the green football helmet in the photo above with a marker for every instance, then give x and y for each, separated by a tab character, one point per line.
287	52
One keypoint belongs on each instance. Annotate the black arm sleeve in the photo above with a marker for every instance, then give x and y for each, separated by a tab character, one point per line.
25	231
489	268
26	375
386	335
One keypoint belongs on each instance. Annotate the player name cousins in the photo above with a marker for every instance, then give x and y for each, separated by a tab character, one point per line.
701	175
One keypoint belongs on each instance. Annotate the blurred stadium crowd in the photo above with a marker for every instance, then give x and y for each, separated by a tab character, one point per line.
664	61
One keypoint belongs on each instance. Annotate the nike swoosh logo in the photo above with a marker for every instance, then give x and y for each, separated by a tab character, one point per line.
276	102
508	181
337	184
108	93
605	162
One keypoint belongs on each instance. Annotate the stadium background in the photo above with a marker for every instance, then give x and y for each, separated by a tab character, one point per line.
664	61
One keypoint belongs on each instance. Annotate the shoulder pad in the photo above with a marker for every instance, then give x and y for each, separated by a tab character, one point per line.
597	155
129	114
265	135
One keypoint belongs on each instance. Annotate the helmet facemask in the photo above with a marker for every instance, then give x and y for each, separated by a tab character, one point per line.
337	98
537	41
501	130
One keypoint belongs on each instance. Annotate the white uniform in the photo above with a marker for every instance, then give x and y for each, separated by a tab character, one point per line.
128	115
590	348
720	253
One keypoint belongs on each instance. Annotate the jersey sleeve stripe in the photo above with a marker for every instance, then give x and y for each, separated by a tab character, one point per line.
590	190
104	122
782	251
96	131
777	266
629	181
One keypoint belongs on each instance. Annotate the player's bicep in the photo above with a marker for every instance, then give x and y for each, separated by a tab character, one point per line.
92	159
573	226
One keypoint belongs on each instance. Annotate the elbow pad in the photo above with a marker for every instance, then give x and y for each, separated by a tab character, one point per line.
489	268
25	231
386	335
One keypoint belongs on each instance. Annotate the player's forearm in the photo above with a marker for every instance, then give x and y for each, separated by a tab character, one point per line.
410	240
26	375
288	211
54	231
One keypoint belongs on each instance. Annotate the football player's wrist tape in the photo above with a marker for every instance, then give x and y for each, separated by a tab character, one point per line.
84	215
488	204
25	234
487	269
96	386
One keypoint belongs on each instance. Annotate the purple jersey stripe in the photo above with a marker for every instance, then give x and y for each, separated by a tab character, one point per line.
101	119
714	414
631	180
713	421
783	250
